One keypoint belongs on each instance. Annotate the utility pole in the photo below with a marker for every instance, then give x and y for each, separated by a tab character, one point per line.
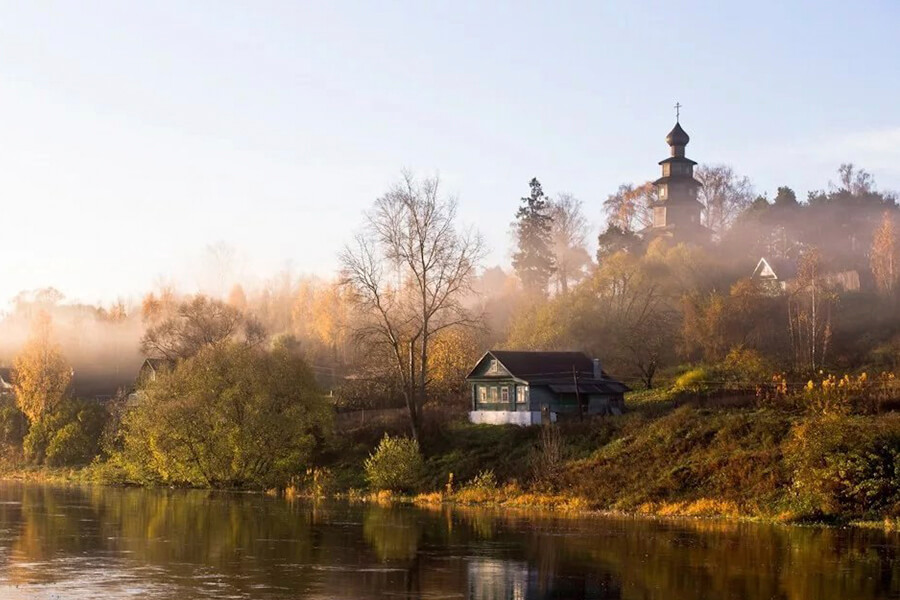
577	395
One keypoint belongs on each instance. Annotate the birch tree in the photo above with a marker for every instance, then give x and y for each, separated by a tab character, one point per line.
810	305
407	272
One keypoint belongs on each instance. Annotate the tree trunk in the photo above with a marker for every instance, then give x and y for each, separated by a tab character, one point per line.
411	400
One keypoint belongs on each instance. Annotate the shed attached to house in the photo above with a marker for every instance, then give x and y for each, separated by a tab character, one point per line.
525	388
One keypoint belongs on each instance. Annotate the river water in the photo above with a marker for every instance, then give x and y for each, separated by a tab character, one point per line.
71	543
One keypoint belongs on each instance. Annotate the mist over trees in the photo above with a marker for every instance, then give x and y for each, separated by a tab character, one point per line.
408	272
414	306
533	259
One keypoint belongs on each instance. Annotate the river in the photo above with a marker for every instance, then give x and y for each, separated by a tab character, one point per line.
61	543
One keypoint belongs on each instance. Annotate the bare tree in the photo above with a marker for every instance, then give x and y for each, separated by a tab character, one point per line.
408	271
219	268
568	231
810	302
724	195
629	208
198	322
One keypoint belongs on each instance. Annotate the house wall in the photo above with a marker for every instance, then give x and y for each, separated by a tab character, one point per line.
510	405
507	417
605	405
538	397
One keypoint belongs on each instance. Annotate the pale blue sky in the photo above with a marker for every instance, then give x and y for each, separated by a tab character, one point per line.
134	134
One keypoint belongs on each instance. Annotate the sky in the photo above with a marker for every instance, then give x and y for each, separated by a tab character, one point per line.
135	135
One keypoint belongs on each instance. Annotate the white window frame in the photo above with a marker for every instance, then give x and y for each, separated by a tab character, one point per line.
495	366
504	393
482	394
493	394
522	395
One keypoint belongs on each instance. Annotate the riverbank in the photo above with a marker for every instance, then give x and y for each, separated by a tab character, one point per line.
661	459
665	459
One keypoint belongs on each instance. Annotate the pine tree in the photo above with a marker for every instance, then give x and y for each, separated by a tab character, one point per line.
533	261
884	258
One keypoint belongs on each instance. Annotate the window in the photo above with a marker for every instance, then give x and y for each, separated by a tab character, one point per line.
521	394
659	216
493	394
495	366
662	191
666	169
482	393
504	394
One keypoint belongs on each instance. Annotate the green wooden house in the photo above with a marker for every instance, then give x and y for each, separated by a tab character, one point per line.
527	388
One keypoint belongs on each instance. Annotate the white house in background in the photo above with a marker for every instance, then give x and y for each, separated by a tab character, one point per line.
777	275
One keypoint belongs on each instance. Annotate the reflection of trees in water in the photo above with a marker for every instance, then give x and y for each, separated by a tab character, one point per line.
633	558
392	531
257	543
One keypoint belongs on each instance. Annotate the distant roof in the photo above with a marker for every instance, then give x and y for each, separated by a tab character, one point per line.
677	159
775	269
159	363
679	178
678	136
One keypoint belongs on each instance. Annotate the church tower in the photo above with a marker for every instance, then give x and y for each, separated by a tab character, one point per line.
676	212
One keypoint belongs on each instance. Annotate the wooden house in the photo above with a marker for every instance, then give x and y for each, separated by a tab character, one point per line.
777	276
153	366
529	388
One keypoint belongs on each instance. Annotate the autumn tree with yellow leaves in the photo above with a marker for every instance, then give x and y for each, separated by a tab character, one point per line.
884	258
42	375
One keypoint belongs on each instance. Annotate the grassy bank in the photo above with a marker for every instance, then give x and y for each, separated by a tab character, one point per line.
665	457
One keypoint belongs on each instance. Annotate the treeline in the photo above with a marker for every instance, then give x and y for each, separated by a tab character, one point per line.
647	306
413	307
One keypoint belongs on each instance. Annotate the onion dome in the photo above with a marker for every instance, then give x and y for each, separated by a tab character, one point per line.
678	136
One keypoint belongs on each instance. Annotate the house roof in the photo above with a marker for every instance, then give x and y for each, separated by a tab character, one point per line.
159	363
544	364
558	369
777	269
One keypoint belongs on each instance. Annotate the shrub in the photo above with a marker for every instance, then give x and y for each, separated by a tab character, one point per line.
67	436
694	380
746	365
395	465
547	462
485	480
12	425
848	465
231	417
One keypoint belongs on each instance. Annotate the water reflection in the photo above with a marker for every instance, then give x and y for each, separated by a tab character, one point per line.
102	542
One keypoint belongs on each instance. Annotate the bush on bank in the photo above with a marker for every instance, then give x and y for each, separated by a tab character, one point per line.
232	416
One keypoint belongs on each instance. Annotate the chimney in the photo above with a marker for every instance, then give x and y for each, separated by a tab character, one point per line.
598	372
